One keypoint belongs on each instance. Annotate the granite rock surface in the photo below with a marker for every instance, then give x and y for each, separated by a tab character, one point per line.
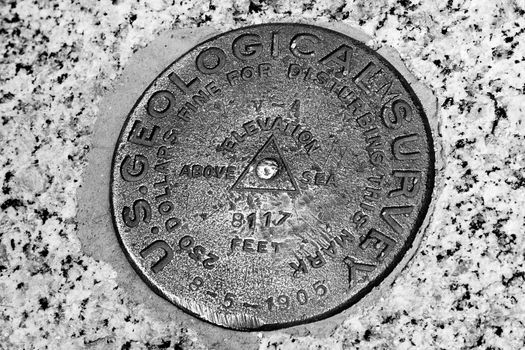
463	290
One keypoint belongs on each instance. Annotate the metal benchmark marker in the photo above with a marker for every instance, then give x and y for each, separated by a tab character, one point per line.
271	176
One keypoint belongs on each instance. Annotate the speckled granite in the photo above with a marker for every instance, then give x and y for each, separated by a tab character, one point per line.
463	290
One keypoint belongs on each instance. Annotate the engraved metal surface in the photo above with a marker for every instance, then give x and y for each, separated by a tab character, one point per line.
271	176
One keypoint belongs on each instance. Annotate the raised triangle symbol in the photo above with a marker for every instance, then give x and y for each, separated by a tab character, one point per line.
282	181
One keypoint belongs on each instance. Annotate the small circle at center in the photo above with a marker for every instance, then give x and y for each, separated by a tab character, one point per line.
267	168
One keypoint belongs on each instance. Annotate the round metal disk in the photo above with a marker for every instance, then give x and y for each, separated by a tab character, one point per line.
272	176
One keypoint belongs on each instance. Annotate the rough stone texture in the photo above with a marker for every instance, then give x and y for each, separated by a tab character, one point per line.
464	289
